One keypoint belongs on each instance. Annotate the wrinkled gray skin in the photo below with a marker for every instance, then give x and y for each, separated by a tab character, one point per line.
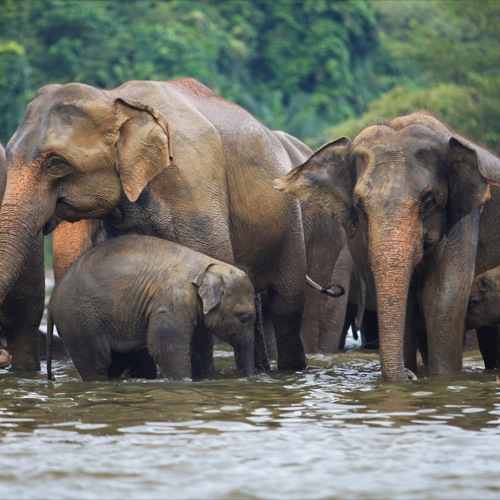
483	315
324	238
140	292
411	195
484	300
169	159
22	309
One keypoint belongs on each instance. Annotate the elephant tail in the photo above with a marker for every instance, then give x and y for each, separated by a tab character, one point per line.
326	291
50	338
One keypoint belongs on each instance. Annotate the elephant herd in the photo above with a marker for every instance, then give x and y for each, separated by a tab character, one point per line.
178	218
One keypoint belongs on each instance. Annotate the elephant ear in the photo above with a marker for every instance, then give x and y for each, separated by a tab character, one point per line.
326	180
210	288
144	146
468	184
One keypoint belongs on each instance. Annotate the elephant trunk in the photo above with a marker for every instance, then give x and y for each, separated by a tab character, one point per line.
393	256
17	239
246	353
23	214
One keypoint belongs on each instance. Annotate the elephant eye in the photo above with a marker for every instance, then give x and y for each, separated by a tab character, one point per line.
57	166
484	283
427	201
245	318
360	205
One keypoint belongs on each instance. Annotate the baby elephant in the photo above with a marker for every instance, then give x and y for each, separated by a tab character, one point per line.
137	294
484	300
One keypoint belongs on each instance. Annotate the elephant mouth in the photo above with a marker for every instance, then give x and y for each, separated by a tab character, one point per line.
51	225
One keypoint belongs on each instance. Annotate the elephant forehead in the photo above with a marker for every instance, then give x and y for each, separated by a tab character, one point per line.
79	136
85	119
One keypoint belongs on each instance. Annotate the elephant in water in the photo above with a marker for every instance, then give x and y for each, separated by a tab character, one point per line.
140	292
421	207
168	159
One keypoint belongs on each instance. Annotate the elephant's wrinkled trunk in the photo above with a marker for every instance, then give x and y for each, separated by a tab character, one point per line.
393	255
24	210
246	354
17	239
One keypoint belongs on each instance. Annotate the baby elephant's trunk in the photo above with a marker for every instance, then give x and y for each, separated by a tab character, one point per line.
245	352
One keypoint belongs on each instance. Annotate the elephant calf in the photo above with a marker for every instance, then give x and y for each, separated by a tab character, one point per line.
140	293
484	300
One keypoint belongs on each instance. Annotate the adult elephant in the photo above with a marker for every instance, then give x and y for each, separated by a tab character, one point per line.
411	195
324	239
22	308
168	159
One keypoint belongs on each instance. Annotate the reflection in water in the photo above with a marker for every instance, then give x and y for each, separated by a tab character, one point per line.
336	431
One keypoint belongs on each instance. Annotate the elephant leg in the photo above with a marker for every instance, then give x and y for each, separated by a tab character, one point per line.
415	334
369	330
261	357
169	345
334	315
268	327
286	316
138	364
91	356
446	294
22	311
488	338
202	359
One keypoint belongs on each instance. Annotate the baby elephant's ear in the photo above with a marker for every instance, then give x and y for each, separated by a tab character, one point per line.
210	289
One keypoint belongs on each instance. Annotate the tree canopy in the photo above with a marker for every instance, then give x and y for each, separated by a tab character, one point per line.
314	68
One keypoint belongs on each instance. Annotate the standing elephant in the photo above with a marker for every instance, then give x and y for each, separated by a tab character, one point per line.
168	159
324	239
22	308
411	195
140	292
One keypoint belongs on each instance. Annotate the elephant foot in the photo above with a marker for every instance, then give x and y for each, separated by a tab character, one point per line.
5	358
410	375
289	364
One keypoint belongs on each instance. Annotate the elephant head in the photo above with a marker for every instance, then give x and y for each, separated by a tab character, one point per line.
398	190
228	309
75	152
484	301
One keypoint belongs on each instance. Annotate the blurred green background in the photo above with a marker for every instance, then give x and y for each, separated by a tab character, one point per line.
317	69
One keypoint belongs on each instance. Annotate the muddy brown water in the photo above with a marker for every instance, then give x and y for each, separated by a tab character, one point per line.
336	431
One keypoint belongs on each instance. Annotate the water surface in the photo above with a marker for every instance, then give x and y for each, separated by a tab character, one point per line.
335	431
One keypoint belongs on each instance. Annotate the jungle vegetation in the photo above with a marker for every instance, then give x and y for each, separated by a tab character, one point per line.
317	69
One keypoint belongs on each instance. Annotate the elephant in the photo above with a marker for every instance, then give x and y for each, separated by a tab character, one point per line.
484	301
138	292
169	159
324	239
420	206
22	309
483	315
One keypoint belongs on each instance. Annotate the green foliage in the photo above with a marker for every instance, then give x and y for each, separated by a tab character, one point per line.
294	64
315	68
13	86
445	60
448	101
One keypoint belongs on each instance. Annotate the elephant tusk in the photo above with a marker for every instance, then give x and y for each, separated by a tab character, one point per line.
326	291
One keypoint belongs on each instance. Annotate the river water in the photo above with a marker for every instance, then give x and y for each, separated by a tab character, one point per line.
336	431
